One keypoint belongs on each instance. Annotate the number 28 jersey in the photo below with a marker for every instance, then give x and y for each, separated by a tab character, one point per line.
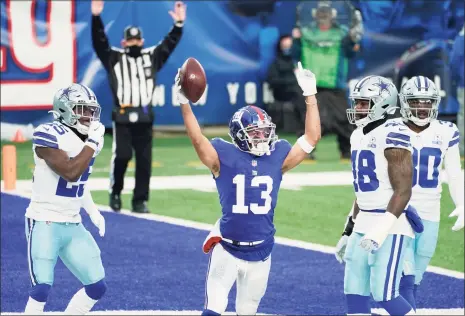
53	198
248	188
370	173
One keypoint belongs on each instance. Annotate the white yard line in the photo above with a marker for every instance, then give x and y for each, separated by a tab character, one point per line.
317	177
291	181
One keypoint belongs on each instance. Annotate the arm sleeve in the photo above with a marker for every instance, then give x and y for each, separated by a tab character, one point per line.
88	203
100	41
454	170
163	50
45	136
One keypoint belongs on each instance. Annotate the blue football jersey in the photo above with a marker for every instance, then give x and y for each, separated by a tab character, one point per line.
248	188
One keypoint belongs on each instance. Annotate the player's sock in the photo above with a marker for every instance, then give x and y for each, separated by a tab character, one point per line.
207	312
83	301
415	288
358	304
38	295
34	307
397	306
407	289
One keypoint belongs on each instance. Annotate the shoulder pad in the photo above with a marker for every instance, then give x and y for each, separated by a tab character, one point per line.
49	134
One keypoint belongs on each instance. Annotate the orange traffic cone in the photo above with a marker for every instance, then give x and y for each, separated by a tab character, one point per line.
19	137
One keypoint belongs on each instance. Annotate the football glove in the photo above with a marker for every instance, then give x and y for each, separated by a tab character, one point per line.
342	243
179	94
99	221
306	80
459	212
376	236
95	135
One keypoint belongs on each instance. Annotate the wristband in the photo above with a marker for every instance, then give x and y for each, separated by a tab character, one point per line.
304	144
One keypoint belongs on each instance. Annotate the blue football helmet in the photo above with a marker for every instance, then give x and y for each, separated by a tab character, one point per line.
252	131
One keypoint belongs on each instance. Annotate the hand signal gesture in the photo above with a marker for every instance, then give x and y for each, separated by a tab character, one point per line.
306	80
96	7
179	13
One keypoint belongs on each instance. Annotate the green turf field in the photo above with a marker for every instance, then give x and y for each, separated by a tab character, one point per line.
314	214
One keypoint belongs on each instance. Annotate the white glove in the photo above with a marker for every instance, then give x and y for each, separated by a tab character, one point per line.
99	221
341	248
460	219
306	80
375	237
180	95
95	135
100	146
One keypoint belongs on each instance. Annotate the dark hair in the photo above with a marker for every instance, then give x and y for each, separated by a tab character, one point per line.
278	44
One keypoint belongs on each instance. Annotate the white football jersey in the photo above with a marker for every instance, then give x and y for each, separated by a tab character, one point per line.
53	198
370	172
429	148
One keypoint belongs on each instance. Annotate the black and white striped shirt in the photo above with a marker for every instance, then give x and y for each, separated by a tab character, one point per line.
132	79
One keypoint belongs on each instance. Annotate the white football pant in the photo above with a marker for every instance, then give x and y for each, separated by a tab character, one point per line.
223	270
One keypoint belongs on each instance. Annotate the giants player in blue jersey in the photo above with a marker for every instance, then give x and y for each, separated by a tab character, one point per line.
64	151
434	142
248	173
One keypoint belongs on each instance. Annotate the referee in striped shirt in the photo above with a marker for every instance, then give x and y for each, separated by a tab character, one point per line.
132	73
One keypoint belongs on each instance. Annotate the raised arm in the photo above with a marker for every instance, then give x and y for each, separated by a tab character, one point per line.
307	142
205	150
164	49
99	39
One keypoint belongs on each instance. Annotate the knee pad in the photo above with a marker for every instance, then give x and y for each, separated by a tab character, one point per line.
40	292
96	290
358	304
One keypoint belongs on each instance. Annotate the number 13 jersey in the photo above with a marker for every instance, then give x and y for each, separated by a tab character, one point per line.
248	188
53	198
370	173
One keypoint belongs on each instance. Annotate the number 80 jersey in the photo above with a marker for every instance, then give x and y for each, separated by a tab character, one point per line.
370	173
53	198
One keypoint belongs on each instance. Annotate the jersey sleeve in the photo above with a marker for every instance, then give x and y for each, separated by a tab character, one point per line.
45	135
282	149
455	138
397	136
224	149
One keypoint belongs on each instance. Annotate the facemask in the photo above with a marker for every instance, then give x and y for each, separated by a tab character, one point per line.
133	51
286	52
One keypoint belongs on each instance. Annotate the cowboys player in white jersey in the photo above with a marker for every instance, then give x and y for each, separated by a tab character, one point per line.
381	155
64	152
434	142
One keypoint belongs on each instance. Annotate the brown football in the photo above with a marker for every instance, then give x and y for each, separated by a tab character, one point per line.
193	79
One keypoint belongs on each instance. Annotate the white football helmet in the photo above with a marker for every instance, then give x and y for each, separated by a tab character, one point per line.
75	102
419	100
380	97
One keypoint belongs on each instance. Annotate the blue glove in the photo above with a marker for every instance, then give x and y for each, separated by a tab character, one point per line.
414	219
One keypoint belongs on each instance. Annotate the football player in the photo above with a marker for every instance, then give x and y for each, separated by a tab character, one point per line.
434	142
64	152
383	223
248	173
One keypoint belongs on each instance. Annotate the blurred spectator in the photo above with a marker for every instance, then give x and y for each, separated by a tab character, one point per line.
324	47
132	72
457	65
289	102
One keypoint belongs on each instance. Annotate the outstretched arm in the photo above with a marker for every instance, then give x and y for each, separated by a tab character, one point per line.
308	141
205	150
99	39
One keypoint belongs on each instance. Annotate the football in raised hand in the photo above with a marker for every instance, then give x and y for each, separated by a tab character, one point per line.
193	79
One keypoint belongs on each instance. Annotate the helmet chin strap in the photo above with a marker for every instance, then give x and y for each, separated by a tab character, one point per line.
260	149
81	128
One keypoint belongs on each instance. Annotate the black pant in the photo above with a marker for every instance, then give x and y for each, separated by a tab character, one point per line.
332	105
125	138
